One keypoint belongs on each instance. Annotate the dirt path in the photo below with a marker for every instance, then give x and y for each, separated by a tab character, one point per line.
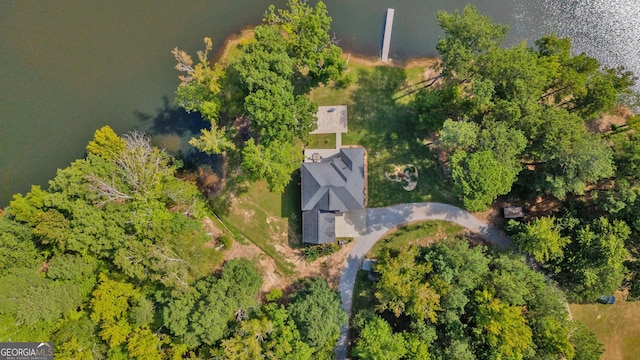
328	267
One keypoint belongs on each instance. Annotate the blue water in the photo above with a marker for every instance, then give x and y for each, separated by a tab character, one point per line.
70	67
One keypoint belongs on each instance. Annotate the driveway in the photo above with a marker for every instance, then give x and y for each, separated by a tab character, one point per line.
382	220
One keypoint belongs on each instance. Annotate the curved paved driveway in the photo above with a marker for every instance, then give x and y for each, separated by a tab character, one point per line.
382	220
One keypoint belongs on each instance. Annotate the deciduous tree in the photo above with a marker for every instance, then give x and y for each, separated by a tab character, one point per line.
542	239
376	341
479	178
318	314
275	162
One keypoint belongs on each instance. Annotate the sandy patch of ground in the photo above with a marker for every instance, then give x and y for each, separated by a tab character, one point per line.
212	231
603	124
270	274
330	267
231	42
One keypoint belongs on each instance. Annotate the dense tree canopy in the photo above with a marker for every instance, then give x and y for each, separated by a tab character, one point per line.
119	212
317	312
266	83
480	177
537	97
542	239
487	307
117	245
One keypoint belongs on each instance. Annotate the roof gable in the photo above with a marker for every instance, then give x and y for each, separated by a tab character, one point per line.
334	185
343	174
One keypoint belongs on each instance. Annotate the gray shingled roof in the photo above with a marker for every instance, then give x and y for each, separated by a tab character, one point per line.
334	185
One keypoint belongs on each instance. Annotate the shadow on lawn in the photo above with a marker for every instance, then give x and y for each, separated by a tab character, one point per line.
385	119
376	110
291	210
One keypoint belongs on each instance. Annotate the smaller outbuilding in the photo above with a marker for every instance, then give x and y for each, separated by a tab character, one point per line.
513	212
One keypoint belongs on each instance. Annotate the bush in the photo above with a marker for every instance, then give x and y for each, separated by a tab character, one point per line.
274	295
226	241
345	81
314	252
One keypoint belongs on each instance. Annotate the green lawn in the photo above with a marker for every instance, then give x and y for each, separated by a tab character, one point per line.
322	141
617	326
267	219
381	121
421	233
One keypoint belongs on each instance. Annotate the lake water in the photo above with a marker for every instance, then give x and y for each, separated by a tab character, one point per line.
69	67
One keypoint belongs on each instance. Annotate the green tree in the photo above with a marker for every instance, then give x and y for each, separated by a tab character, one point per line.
143	344
269	333
265	72
284	341
275	162
502	327
402	289
520	317
110	306
587	345
214	141
603	89
542	239
462	135
572	157
22	297
516	75
595	259
433	106
479	178
376	341
199	88
52	228
308	41
506	143
17	248
200	316
317	312
106	143
467	35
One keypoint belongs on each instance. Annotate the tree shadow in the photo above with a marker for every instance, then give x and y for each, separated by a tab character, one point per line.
171	128
376	107
291	210
170	119
389	131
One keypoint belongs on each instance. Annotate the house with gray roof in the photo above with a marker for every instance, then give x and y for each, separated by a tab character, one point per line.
332	188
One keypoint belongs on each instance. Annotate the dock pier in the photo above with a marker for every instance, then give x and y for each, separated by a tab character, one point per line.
388	26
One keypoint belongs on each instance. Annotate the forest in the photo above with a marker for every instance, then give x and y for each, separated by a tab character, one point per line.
518	121
112	259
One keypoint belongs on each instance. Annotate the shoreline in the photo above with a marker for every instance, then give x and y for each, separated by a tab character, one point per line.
360	59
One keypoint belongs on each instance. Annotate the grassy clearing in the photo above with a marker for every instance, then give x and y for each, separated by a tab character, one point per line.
267	219
322	141
421	233
617	326
381	121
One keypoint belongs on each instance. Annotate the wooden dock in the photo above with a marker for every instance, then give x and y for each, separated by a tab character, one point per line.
387	35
